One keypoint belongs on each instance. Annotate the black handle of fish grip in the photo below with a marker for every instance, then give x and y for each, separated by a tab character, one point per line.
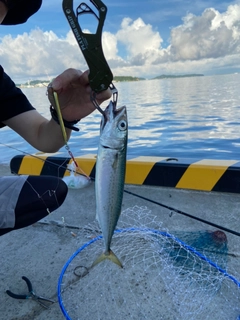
16	296
100	75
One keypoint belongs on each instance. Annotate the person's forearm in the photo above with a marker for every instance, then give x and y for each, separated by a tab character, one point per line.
3	11
44	135
50	136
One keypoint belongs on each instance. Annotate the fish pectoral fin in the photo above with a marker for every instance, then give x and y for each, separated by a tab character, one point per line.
110	255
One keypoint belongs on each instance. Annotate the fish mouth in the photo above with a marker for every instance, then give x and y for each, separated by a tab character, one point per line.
111	112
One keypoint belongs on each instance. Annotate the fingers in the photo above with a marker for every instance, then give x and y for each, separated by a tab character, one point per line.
84	80
68	78
75	80
104	95
50	94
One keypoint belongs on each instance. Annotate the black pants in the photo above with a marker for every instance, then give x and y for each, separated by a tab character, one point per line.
39	196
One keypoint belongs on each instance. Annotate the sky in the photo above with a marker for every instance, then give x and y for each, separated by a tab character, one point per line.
140	38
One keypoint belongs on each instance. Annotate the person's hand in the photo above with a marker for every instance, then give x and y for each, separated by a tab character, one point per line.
72	87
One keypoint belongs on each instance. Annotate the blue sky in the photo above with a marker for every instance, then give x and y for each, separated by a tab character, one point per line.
141	38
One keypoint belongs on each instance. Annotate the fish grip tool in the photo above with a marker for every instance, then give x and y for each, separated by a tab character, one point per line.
100	75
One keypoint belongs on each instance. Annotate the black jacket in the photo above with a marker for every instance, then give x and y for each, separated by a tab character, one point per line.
12	99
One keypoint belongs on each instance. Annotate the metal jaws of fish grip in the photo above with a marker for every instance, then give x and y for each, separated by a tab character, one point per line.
100	75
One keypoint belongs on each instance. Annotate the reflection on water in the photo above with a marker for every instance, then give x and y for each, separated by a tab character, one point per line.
183	118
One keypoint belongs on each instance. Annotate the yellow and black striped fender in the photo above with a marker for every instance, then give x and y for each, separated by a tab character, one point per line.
205	174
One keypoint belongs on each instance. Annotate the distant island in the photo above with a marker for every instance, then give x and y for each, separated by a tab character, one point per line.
165	76
126	78
34	84
44	83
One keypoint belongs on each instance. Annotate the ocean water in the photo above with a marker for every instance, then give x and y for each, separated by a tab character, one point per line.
197	118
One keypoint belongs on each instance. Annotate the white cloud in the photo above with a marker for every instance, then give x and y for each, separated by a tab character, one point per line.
109	42
210	35
210	41
39	54
142	43
231	18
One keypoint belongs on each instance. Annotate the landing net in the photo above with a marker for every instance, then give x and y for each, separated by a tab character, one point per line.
166	275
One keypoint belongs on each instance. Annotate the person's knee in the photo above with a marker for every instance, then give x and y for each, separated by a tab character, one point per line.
61	192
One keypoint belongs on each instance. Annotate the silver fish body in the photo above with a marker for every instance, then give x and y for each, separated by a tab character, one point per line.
110	174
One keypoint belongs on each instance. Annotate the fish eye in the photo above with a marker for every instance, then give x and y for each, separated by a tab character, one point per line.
122	125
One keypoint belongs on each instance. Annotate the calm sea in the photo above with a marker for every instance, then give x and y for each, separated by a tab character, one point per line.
182	118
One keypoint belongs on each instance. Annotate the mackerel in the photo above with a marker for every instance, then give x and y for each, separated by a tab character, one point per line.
110	175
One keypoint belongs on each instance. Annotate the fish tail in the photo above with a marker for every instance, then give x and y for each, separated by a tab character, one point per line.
110	255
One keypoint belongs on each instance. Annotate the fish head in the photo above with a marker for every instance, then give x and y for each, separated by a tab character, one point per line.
114	127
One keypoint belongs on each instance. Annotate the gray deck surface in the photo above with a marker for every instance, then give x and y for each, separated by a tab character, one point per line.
40	251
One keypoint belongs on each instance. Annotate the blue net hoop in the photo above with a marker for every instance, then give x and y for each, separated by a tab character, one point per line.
143	230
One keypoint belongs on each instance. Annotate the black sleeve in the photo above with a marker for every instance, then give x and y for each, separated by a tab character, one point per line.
20	10
12	99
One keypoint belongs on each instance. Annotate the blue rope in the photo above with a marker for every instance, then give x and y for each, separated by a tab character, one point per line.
165	234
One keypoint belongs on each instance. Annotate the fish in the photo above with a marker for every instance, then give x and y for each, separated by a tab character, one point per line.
110	175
